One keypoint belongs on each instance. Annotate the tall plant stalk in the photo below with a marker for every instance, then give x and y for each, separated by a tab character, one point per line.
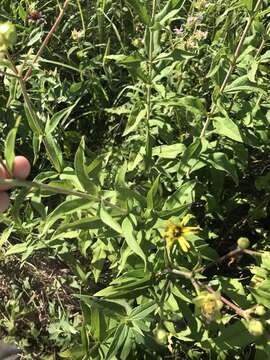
232	66
149	85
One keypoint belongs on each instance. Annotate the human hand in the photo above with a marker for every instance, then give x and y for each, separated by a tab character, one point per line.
21	170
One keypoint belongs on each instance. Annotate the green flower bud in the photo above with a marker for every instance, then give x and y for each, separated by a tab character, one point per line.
243	243
77	35
8	36
260	310
255	327
137	42
161	336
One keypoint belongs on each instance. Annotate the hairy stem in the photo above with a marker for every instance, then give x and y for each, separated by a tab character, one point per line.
9	74
46	40
197	285
58	190
237	309
230	254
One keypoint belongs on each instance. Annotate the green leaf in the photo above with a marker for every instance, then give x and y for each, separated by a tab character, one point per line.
128	60
262	293
169	151
134	120
142	311
53	122
83	224
98	323
141	9
190	103
54	152
247	3
98	258
109	220
162	16
184	194
234	336
177	211
221	162
129	285
5	235
17	249
10	147
113	308
128	344
34	37
128	233
81	170
226	127
34	122
191	152
65	208
151	195
118	340
243	83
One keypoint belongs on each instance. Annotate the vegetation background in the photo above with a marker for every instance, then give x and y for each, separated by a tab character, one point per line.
143	232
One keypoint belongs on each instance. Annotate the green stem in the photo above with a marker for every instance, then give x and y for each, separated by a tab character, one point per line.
164	290
36	122
185	274
8	74
163	296
81	16
263	42
149	86
58	190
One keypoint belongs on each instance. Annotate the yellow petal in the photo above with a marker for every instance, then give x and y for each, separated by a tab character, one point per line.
169	243
185	246
184	220
190	230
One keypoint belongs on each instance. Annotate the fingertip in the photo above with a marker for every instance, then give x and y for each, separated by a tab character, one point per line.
21	168
3	175
4	201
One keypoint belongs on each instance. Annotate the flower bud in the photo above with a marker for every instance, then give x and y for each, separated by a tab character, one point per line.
255	327
7	36
161	336
243	243
260	310
137	42
77	35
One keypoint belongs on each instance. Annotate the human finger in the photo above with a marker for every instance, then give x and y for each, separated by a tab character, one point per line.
21	170
4	201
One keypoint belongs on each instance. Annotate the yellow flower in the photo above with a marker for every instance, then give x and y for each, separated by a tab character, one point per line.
178	232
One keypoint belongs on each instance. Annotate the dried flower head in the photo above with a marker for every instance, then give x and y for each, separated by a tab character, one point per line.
36	16
200	35
191	20
208	305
